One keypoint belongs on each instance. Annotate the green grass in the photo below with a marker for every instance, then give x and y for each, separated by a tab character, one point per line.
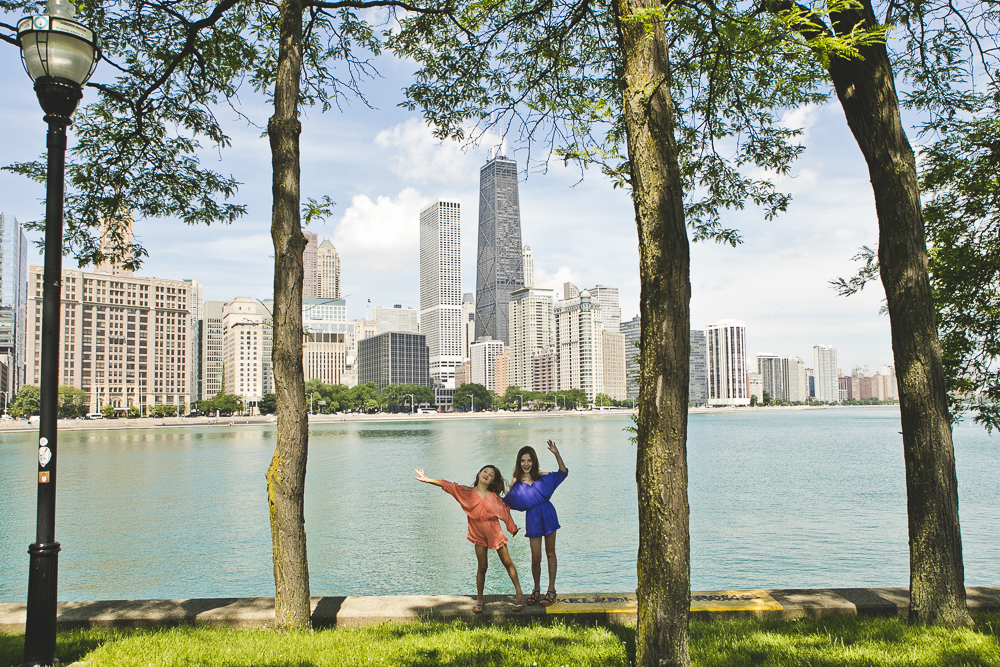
830	642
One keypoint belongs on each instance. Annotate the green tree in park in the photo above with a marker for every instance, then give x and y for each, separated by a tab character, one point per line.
26	403
946	58
73	402
109	412
398	395
473	397
603	400
133	412
267	404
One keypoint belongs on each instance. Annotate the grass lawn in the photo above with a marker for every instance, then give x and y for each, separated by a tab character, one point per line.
831	642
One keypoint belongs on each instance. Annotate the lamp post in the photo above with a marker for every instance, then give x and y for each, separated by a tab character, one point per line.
411	403
59	54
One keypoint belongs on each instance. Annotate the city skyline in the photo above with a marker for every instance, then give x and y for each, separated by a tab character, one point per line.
580	231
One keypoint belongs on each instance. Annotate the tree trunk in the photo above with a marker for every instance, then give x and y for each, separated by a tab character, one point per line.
663	566
867	93
286	475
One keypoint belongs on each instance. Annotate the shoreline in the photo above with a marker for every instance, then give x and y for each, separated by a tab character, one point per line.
233	422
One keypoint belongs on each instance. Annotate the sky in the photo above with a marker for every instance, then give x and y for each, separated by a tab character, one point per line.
382	165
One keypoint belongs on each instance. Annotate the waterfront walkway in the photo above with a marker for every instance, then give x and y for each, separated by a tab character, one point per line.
346	612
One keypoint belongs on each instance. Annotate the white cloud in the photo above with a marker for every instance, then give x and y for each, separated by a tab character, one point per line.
381	235
803	118
555	281
418	156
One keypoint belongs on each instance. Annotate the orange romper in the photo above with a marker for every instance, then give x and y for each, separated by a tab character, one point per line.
483	513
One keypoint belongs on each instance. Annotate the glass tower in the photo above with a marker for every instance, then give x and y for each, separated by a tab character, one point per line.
13	301
499	267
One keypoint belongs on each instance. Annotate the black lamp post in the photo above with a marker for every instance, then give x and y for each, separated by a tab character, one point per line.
59	55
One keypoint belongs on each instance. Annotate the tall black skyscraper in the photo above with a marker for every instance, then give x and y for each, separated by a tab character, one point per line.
499	270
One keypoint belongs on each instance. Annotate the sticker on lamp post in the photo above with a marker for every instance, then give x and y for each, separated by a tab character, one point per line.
43	476
44	456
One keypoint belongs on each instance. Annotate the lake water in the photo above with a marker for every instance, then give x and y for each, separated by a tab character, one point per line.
779	499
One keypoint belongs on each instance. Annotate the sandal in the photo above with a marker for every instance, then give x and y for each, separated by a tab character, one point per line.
533	598
550	597
517	607
477	608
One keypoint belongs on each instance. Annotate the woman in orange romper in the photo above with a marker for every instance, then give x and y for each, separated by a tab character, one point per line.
484	508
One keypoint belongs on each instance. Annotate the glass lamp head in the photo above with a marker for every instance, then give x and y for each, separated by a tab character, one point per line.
54	45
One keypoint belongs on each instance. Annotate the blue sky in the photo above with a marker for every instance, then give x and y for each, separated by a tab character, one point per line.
382	165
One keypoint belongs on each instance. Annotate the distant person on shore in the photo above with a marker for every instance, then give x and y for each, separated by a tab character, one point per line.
484	508
529	492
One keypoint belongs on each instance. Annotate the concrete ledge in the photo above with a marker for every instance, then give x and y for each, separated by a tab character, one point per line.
349	612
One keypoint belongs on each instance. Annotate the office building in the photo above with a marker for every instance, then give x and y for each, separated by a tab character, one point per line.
796	380
310	274
394	358
441	294
698	369
632	330
246	351
570	291
499	268
396	320
468	323
327	271
727	363
325	332
772	376
211	346
13	303
196	293
614	364
501	363
890	389
825	370
611	312
214	368
755	387
579	345
482	362
532	328
125	338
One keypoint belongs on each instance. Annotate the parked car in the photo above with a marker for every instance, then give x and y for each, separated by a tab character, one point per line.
94	415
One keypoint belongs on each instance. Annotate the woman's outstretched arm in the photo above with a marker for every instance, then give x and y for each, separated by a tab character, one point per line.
555	450
421	477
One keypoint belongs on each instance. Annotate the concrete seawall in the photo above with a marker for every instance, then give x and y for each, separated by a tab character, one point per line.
347	612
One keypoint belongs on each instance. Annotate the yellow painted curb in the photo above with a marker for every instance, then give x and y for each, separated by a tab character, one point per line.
755	600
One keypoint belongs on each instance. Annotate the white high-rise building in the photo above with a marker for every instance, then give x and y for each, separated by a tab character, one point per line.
325	332
611	312
246	350
327	271
13	303
483	362
531	325
727	363
825	371
196	293
796	380
579	345
529	266
441	292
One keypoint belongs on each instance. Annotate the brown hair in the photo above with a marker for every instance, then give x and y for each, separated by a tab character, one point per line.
533	473
498	483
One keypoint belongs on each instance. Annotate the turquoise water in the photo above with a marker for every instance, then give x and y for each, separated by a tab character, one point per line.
779	499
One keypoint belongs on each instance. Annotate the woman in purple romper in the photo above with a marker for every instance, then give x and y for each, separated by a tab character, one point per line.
529	492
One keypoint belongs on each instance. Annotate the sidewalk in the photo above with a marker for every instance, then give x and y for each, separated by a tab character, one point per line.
347	612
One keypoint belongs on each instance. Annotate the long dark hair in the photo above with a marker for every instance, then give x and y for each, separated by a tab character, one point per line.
498	483
533	473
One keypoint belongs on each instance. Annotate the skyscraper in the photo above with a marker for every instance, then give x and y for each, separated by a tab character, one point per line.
727	363
772	374
13	302
196	302
631	329
611	312
441	293
499	266
697	370
310	276
327	271
532	328
579	345
825	369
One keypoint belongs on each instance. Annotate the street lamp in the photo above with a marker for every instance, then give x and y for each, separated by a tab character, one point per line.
411	403
59	54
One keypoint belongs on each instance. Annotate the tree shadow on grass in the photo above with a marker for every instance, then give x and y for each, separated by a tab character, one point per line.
71	646
626	635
